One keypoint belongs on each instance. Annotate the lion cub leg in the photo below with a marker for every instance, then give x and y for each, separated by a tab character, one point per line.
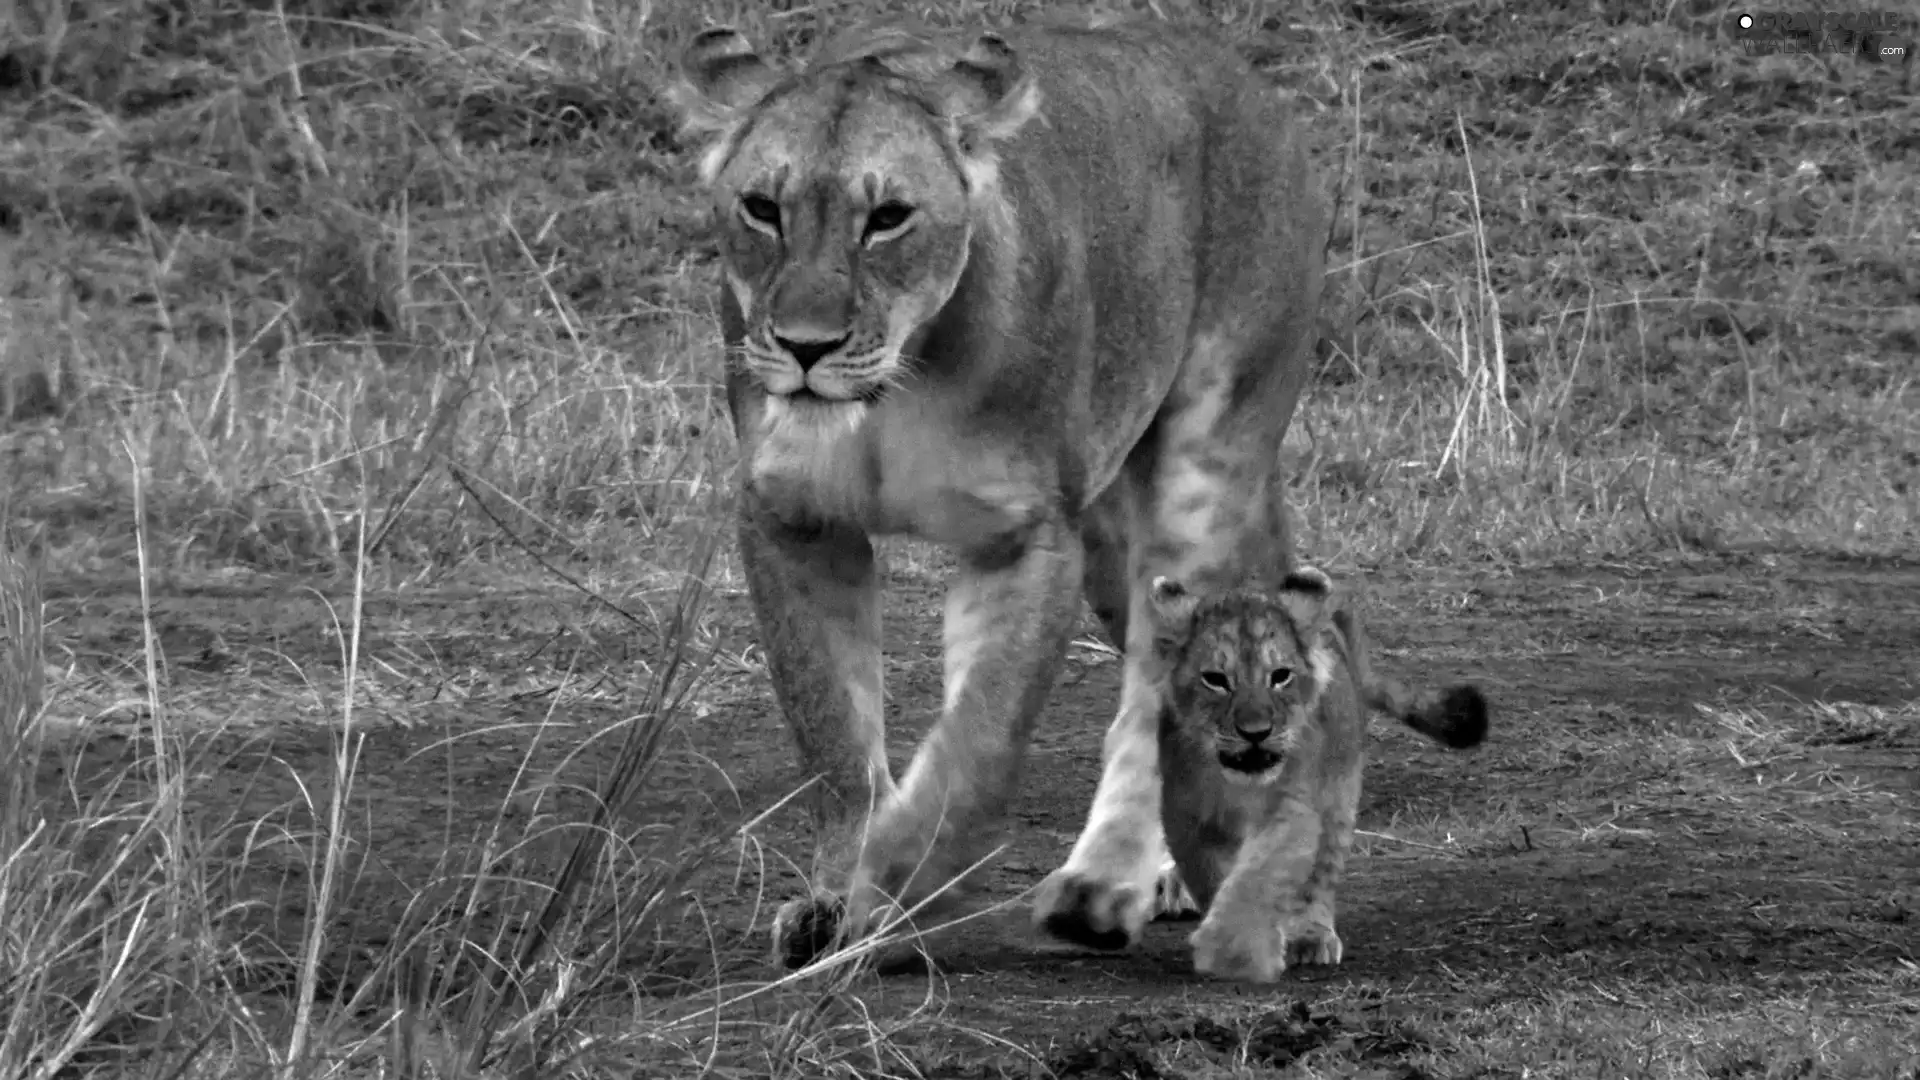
1311	939
1260	919
817	601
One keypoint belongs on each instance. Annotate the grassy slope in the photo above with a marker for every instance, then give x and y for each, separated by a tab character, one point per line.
430	278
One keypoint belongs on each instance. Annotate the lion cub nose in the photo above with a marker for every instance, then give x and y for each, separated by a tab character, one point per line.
807	353
1254	733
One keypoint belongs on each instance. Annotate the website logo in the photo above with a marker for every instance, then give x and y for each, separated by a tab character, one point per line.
1874	35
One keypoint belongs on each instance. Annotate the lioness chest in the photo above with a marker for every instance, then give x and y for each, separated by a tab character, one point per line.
901	466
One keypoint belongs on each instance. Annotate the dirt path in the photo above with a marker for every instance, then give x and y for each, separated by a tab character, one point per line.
1664	811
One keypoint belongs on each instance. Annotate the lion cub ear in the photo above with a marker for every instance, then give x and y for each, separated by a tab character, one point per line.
993	96
1307	596
1170	606
721	76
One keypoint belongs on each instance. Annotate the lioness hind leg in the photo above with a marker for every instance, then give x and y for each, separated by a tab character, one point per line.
1082	908
816	598
1312	943
1104	536
1172	899
1209	512
1105	894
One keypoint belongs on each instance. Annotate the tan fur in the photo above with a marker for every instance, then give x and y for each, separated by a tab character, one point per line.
1260	827
1046	299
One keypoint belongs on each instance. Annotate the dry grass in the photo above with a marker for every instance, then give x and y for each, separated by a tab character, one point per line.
408	294
141	934
447	260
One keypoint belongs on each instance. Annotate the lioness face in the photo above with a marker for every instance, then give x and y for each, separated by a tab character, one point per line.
844	229
1245	671
846	199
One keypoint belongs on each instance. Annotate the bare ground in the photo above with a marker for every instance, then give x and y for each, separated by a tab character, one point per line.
1695	829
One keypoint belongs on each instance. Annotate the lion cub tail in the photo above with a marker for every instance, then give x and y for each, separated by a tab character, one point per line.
1455	717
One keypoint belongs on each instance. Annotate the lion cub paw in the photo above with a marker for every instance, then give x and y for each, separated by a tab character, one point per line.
1252	952
1091	912
1171	899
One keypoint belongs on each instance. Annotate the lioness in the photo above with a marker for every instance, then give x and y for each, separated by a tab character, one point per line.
1262	738
1046	299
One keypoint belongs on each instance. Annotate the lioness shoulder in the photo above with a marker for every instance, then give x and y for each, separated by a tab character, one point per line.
1262	742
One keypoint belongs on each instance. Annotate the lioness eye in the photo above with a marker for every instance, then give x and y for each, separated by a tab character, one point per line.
761	209
1216	680
1280	677
887	217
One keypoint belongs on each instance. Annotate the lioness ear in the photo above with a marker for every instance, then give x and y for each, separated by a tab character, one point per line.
993	97
1171	607
721	75
1307	595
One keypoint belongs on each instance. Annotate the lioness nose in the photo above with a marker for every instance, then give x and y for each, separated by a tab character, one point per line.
1254	733
809	353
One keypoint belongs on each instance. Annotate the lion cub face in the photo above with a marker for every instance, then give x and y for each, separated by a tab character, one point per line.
847	196
1244	670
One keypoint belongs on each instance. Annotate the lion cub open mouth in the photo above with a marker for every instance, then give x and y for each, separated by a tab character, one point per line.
1252	760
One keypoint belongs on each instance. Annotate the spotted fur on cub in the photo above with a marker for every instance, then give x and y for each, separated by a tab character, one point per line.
1262	740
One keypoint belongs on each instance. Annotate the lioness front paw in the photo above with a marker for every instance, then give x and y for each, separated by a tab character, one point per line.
1312	943
1172	900
1091	912
1252	952
807	927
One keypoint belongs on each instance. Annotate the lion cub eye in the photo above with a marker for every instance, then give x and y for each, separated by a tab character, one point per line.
888	217
759	208
1216	680
1279	677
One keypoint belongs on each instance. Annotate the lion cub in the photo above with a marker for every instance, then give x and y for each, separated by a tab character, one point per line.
1261	747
